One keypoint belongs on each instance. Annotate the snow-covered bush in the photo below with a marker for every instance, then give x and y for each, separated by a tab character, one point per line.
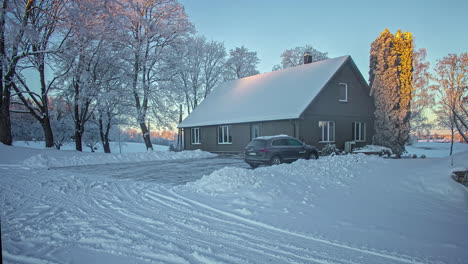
375	150
330	149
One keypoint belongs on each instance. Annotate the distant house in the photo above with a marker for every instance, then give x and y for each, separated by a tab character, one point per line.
325	102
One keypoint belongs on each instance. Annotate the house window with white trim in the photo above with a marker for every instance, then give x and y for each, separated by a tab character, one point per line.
195	135
224	135
328	131
359	131
343	92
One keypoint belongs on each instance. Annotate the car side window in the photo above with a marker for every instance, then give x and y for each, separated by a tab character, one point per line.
280	142
294	142
276	143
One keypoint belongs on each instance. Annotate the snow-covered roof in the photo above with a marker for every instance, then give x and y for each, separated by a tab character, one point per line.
277	95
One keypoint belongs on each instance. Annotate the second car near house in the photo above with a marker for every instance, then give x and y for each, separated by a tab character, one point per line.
274	150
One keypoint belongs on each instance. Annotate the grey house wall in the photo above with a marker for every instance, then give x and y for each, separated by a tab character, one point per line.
325	107
241	135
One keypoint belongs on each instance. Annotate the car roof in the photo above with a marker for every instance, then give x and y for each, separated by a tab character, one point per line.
272	137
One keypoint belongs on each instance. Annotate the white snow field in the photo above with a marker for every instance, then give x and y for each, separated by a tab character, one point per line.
115	146
341	209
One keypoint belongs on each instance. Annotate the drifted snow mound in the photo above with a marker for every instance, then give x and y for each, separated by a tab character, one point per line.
321	174
79	159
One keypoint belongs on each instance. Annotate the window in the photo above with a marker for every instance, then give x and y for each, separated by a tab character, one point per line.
280	142
195	133
328	131
224	135
258	143
343	92
294	142
359	131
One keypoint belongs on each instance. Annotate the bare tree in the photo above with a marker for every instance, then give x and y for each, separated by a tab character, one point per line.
111	104
149	28
295	57
84	61
62	123
446	119
241	63
200	65
422	99
13	22
214	59
44	17
451	77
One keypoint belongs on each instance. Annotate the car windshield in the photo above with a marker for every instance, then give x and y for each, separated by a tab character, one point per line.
258	143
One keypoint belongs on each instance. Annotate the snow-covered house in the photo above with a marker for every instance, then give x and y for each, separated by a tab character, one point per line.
325	102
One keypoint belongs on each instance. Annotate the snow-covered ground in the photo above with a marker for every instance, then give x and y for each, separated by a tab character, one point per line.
341	209
116	147
435	149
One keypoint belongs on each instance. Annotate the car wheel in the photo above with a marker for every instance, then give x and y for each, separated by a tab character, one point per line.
275	160
313	155
253	165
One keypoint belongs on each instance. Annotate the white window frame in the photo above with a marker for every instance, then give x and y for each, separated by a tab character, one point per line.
361	127
225	134
346	92
195	136
325	130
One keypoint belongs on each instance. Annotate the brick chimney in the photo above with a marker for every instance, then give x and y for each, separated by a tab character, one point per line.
307	58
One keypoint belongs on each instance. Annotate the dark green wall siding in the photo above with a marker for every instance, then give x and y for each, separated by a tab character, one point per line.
327	107
241	135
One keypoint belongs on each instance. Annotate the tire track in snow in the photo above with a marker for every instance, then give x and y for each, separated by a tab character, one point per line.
256	247
264	242
105	242
303	236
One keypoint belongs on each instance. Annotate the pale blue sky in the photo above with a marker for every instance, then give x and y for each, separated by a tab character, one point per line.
337	27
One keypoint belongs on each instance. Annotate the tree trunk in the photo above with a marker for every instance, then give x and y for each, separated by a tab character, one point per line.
78	132
48	134
78	141
106	146
451	141
104	135
146	136
5	123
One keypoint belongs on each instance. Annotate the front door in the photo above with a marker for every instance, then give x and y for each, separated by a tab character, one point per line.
255	131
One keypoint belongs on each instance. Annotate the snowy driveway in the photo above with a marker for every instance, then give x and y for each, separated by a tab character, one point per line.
172	172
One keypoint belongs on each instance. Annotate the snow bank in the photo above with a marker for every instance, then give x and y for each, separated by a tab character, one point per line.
78	159
321	174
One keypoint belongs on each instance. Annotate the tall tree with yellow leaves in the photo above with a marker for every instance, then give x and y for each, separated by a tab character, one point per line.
391	81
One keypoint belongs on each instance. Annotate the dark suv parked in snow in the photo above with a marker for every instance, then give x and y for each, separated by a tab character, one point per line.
273	150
